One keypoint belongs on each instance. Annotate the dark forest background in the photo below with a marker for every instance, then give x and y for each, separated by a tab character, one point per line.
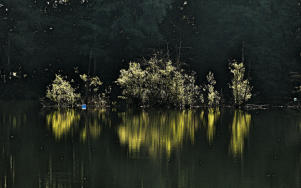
39	38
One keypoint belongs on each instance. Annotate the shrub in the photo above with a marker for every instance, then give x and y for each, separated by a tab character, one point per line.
159	82
213	97
241	88
92	91
61	92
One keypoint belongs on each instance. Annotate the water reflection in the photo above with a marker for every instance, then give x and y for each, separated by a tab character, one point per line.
13	120
61	122
210	122
7	173
10	122
92	128
31	158
240	131
71	122
156	131
64	173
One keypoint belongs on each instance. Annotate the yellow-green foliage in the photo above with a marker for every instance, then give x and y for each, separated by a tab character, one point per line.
212	118
61	92
159	82
67	122
92	91
157	132
241	88
62	121
240	131
213	96
92	83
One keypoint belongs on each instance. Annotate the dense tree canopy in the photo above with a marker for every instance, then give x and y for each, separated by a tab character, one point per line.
102	36
218	31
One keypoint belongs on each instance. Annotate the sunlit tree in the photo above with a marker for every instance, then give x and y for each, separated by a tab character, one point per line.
92	91
159	82
61	92
213	97
241	88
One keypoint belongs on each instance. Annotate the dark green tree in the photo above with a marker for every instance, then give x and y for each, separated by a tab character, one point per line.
19	21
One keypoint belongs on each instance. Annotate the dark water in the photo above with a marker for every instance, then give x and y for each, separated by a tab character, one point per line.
169	149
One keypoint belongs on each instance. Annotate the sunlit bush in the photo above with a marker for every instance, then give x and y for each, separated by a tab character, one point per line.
240	86
89	90
159	82
213	97
92	91
61	92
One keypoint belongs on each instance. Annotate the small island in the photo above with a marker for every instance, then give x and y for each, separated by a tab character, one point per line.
150	93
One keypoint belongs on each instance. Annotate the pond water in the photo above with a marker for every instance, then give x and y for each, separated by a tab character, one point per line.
208	148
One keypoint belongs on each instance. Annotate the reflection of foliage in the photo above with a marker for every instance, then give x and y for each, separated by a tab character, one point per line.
212	118
213	97
156	131
61	92
93	128
64	122
241	88
93	124
13	120
240	130
159	82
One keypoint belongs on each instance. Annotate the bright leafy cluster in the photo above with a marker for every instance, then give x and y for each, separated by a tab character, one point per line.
159	82
153	82
213	97
240	86
61	92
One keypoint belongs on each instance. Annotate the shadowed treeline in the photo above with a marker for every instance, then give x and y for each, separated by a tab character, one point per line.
40	38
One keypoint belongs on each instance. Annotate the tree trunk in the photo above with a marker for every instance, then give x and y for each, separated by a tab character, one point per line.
8	52
94	65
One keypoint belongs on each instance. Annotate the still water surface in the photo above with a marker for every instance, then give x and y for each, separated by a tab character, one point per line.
210	148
